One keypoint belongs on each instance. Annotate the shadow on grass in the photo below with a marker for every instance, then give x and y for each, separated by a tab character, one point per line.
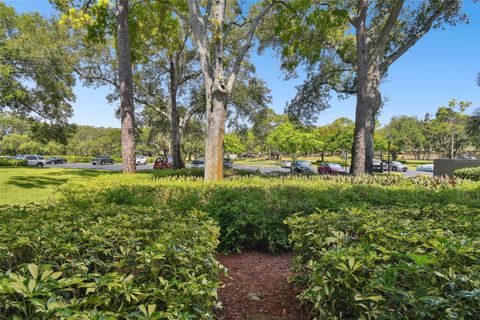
47	179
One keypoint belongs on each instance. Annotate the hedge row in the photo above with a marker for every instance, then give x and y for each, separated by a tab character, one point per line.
107	262
468	173
397	263
250	211
6	162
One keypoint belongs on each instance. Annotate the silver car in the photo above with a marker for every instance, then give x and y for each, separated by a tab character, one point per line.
33	160
197	164
286	164
396	166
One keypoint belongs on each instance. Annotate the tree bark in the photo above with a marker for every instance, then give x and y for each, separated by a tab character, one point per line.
174	119
127	114
361	112
216	116
374	102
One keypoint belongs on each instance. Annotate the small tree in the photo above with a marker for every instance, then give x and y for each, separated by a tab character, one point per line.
289	140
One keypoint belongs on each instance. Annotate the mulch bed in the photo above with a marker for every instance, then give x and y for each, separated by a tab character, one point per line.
257	288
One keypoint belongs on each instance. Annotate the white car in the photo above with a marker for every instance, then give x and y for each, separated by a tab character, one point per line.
140	160
286	164
33	161
396	166
425	167
197	164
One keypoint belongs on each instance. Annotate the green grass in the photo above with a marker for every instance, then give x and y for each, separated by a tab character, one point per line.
26	185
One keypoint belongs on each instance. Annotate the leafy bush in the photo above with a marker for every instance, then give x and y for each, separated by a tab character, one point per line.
106	262
468	173
199	173
410	263
6	162
250	210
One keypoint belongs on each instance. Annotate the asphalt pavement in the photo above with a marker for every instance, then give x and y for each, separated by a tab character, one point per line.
149	166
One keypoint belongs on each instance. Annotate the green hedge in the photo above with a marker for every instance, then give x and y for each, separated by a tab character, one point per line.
468	173
6	162
199	173
397	263
250	210
107	261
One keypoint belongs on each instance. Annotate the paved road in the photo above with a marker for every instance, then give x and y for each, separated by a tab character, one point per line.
118	167
107	167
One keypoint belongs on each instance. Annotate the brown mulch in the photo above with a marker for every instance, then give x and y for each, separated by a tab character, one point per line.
257	288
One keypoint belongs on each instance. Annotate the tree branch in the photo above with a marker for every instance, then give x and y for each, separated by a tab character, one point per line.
243	51
415	37
387	28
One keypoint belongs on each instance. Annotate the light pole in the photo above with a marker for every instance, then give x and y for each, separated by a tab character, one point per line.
389	138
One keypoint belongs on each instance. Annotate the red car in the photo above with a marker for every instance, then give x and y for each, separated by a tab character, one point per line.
162	163
331	168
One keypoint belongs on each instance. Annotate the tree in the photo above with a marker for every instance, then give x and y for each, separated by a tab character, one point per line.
218	29
449	128
36	82
100	20
233	144
406	135
287	139
473	127
353	44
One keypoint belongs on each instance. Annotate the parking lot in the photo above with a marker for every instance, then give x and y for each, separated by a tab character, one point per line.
149	166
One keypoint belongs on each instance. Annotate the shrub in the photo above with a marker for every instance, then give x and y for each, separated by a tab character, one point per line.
468	173
250	210
106	262
199	173
394	263
7	162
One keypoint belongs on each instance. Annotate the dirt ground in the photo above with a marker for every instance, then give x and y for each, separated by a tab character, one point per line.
257	288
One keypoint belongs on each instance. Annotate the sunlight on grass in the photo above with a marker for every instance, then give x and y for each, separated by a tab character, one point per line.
26	185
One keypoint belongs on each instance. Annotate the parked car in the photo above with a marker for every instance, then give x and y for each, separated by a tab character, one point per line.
379	166
140	160
162	162
286	164
301	166
467	156
197	164
396	166
101	160
331	168
425	167
33	161
227	163
56	160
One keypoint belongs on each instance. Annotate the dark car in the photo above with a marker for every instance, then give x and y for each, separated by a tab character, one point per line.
301	166
163	163
56	160
227	163
379	166
331	168
101	160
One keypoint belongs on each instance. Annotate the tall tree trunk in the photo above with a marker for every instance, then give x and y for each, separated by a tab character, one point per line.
361	112
216	116
174	120
127	114
374	102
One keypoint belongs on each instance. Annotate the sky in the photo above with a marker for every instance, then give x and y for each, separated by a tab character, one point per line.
440	67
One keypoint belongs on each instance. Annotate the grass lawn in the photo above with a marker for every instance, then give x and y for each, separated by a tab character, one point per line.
24	185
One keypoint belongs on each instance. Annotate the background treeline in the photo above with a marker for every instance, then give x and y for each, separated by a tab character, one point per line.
450	132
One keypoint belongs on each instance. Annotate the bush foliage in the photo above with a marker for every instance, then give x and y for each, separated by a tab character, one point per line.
107	262
6	162
382	247
468	173
396	263
250	210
